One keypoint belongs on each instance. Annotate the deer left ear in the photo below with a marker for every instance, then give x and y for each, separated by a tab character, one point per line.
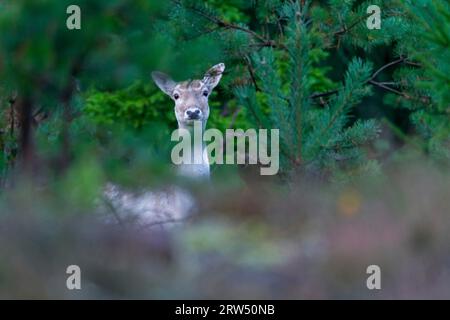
164	82
213	76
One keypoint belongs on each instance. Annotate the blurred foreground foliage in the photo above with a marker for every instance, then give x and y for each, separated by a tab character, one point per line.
311	241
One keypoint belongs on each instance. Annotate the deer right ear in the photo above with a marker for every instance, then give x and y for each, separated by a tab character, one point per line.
213	76
164	82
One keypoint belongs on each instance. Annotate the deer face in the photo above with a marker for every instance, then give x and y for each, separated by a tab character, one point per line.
190	97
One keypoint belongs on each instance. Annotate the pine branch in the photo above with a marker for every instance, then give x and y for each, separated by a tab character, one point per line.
263	42
372	81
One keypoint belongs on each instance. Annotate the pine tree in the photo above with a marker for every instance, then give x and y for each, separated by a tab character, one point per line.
285	46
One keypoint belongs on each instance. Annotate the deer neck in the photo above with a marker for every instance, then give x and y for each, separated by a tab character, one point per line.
198	167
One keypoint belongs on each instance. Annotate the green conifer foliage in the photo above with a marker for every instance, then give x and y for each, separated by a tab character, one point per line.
426	85
289	48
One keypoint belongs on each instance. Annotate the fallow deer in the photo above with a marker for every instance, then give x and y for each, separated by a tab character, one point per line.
174	204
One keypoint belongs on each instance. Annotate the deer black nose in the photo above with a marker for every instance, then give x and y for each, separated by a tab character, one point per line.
193	113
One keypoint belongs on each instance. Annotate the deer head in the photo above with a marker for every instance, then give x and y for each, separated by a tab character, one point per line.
190	97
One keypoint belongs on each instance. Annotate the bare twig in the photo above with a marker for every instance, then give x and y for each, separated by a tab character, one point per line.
251	72
162	222
323	94
12	101
390	64
346	29
113	210
233	118
383	86
414	64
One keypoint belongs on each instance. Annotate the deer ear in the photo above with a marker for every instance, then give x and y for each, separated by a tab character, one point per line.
164	82
213	76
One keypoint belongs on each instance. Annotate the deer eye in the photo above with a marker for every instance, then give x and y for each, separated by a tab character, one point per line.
176	96
205	93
